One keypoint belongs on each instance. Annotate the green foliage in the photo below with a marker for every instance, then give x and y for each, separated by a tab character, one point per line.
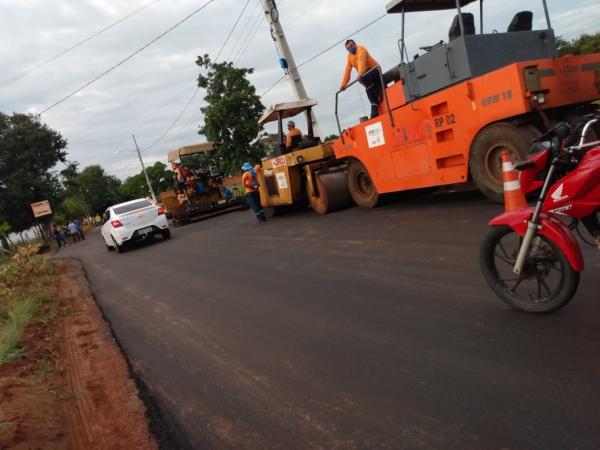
4	229
28	150
135	186
25	286
586	43
231	115
331	137
96	188
73	206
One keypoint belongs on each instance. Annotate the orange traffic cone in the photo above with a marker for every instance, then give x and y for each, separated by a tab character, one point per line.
513	196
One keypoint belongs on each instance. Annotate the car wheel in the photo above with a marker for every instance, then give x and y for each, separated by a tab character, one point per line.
166	234
118	248
109	247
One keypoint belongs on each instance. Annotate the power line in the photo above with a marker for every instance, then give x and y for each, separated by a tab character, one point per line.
255	28
162	136
235	47
322	52
25	72
231	31
106	72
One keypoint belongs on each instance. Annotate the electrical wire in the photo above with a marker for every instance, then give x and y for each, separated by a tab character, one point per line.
162	136
255	28
322	52
106	72
25	72
231	31
236	46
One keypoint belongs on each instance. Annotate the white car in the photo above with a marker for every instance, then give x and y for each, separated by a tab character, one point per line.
133	221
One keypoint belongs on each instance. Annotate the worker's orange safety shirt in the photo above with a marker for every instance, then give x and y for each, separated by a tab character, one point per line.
246	178
361	61
288	139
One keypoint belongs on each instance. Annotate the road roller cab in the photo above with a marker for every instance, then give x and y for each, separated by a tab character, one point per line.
306	175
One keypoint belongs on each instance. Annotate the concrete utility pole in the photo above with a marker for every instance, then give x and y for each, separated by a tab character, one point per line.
272	16
144	169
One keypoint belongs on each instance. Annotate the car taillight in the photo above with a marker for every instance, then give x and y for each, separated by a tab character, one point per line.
161	211
116	223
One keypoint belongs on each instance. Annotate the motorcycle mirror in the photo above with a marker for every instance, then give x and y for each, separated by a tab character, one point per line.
562	130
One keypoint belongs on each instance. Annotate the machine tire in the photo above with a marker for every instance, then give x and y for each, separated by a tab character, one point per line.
166	234
333	193
361	187
485	164
118	248
560	297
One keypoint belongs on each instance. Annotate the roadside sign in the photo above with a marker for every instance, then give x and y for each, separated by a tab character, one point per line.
41	208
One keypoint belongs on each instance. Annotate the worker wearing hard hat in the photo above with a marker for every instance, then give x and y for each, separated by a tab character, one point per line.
368	73
293	137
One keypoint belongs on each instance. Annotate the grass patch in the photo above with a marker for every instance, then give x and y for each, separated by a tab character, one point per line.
25	285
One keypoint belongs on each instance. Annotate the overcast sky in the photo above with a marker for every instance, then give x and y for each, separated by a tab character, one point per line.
144	95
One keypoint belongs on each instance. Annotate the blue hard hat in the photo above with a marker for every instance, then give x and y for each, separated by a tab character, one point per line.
246	166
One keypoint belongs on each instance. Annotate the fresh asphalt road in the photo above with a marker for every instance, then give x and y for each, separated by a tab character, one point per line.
360	329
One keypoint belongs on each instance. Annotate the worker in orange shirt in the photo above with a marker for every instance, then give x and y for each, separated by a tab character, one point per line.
293	137
360	59
252	194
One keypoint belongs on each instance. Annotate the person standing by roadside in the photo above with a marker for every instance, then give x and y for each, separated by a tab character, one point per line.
252	195
73	231
58	236
79	226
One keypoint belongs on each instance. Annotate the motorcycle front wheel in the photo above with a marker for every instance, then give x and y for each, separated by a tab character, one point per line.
547	281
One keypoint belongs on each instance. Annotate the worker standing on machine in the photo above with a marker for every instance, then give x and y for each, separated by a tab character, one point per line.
293	137
252	195
369	73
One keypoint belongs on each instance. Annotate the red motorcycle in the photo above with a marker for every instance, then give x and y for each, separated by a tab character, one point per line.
529	257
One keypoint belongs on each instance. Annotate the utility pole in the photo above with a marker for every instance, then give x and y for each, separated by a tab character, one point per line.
144	169
288	64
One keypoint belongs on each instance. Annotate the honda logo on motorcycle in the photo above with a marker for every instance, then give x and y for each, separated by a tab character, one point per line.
557	195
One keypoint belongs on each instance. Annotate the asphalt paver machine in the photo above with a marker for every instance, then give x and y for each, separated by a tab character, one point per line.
202	194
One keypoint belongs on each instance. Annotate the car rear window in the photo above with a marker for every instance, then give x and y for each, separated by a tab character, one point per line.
132	207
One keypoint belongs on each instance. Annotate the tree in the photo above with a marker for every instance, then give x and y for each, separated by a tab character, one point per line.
135	186
231	115
97	189
330	137
28	150
73	206
586	43
271	143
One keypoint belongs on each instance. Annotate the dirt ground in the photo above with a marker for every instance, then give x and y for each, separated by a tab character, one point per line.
72	388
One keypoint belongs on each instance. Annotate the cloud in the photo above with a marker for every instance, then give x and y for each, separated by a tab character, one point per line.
144	95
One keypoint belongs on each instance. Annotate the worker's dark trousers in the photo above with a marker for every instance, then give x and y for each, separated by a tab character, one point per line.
253	199
372	83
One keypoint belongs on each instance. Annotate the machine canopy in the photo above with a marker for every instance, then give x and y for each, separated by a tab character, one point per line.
396	6
288	109
174	155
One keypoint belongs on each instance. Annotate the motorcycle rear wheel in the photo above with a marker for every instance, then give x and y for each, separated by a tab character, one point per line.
547	281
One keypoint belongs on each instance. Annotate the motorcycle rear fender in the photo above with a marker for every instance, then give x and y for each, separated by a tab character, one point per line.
551	228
